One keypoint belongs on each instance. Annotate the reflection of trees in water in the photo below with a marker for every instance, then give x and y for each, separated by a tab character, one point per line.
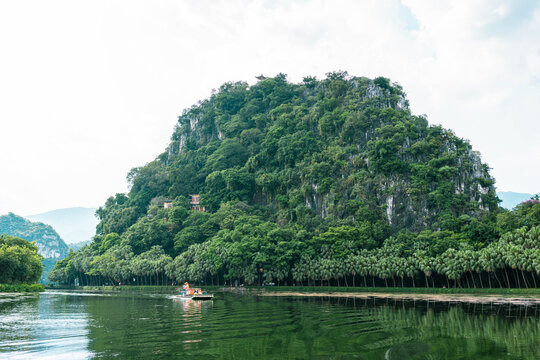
252	327
423	327
514	328
129	326
10	301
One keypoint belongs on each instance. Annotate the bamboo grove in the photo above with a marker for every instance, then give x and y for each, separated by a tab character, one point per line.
322	182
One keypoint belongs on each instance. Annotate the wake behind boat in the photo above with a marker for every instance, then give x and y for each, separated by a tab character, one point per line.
193	293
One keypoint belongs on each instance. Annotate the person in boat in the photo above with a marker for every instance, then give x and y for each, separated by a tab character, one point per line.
186	289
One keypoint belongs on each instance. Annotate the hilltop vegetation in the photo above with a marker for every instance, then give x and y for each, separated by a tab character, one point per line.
326	180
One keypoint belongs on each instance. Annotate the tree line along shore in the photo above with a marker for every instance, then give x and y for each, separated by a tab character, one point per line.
511	262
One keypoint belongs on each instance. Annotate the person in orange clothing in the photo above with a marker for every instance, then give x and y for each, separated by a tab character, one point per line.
187	289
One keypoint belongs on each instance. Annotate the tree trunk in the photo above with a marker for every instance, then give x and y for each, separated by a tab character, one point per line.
517	278
497	278
524	280
507	278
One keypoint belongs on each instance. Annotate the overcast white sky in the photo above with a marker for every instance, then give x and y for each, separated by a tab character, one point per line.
90	89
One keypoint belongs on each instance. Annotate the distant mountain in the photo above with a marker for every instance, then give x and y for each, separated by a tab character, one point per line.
50	244
511	199
73	224
77	246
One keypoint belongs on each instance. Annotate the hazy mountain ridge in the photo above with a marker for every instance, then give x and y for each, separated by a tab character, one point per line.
78	245
510	199
74	225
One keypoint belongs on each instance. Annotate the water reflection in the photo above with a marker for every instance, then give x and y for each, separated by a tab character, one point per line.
153	326
192	319
43	326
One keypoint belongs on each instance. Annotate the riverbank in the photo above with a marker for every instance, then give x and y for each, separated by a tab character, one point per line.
147	288
483	296
403	290
479	299
21	288
320	290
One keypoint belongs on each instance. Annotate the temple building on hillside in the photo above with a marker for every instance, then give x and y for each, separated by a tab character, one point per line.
167	204
195	204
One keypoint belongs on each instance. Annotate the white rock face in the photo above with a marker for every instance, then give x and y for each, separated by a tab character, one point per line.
50	247
193	123
48	253
373	91
389	208
182	142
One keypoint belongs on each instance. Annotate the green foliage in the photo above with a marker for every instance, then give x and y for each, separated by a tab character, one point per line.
19	288
109	241
19	261
325	181
230	153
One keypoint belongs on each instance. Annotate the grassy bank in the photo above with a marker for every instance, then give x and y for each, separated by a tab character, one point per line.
315	289
16	288
405	290
147	288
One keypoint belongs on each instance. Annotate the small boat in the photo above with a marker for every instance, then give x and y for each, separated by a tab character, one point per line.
194	293
198	296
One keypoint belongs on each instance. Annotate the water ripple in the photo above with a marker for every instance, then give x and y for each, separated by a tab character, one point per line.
78	325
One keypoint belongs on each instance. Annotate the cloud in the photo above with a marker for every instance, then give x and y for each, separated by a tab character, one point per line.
91	89
481	80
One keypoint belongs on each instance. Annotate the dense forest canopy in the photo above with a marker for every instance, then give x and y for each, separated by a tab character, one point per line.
324	180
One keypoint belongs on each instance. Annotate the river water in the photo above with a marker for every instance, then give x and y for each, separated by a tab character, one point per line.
138	325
